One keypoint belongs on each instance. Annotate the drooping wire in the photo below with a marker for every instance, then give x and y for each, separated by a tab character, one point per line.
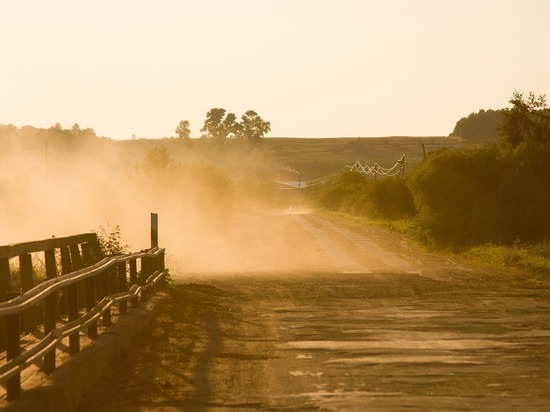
375	170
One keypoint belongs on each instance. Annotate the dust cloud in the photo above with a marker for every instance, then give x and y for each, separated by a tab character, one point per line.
218	206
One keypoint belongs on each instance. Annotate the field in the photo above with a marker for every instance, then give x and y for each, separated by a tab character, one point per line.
311	157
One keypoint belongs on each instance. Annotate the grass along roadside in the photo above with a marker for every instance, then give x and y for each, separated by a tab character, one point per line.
534	257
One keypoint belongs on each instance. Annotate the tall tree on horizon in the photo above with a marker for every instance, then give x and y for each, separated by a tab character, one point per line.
527	121
183	131
253	127
219	124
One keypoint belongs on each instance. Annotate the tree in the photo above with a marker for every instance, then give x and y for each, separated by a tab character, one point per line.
87	132
75	130
183	131
57	127
157	160
219	124
253	127
482	125
527	121
230	125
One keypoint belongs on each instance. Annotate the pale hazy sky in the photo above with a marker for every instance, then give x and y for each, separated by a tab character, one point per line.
312	68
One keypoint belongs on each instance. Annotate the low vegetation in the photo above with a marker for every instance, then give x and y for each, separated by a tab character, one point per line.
487	201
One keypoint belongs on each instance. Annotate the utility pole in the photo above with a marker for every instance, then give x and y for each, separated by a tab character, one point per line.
46	160
154	230
402	169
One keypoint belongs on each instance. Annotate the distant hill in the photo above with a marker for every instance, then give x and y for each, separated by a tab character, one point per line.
311	157
272	157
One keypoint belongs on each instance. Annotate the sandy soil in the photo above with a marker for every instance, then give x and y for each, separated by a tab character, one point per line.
316	313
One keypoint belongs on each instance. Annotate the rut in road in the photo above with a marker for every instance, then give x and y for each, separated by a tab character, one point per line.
336	342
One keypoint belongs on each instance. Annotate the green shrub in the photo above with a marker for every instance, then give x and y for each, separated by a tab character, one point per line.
386	198
110	242
481	195
390	198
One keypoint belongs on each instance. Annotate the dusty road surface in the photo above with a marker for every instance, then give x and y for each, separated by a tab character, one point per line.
322	314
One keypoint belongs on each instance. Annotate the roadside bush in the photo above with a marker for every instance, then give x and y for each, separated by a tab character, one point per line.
478	195
110	241
387	198
390	198
331	198
332	195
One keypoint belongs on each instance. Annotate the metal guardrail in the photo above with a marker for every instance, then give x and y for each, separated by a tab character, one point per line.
61	306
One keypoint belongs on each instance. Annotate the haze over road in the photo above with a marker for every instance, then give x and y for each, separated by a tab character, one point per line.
329	315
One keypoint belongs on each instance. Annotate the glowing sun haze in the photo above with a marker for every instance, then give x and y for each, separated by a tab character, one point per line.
312	68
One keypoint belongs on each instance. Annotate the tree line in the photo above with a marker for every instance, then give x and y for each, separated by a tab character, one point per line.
487	125
220	125
479	126
498	192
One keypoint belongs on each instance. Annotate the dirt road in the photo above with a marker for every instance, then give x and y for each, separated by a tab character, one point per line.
332	316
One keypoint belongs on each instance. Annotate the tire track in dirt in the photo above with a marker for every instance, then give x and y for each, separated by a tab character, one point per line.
351	252
463	338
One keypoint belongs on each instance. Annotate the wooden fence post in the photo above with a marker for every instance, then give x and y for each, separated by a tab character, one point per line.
50	309
5	281
76	259
13	350
146	271
72	298
27	283
122	287
133	279
78	264
90	285
5	287
106	291
154	230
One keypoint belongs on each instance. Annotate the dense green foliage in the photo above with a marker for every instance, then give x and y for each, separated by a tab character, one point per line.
386	198
479	126
220	124
496	193
480	195
527	122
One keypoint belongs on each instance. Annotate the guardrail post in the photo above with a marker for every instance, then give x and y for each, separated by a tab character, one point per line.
122	287
154	230
160	264
72	299
106	291
133	271
90	285
5	282
133	279
13	350
146	271
87	257
76	259
27	283
77	263
50	309
160	261
5	286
